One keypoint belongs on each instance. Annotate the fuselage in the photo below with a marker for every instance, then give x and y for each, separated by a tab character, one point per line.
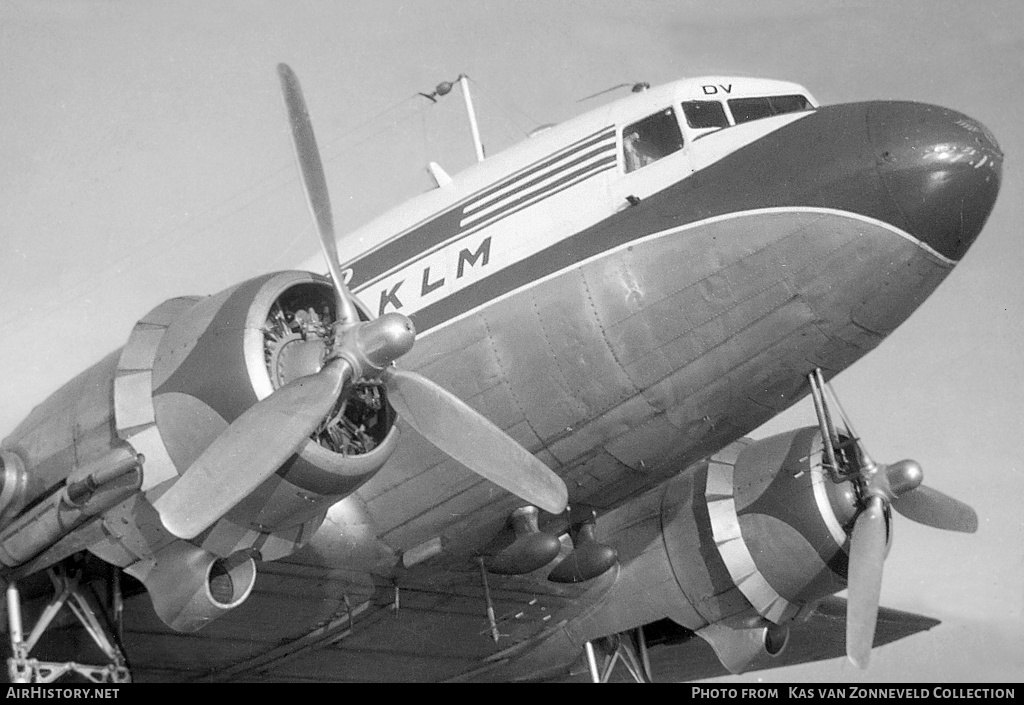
634	288
637	287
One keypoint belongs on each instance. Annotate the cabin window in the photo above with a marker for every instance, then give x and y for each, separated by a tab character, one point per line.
651	139
702	114
747	109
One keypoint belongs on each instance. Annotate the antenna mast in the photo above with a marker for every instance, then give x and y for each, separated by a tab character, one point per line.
464	82
444	88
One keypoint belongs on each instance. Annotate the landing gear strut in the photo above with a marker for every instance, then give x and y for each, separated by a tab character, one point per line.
23	669
628	648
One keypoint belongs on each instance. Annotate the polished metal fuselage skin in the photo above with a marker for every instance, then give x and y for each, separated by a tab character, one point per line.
628	350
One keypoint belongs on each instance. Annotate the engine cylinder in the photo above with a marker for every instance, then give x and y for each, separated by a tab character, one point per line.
193	366
203	365
235	348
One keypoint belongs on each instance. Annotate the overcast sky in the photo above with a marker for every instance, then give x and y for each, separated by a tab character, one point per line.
144	155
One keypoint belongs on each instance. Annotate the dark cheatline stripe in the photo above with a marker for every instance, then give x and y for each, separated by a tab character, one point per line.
600	238
565	186
524	202
510	189
435	232
562	168
552	188
475	201
419	241
527	201
821	160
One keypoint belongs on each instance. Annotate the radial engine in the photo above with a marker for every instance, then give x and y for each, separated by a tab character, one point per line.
190	368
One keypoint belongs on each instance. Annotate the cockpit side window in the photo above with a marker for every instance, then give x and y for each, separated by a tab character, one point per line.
651	139
702	114
747	109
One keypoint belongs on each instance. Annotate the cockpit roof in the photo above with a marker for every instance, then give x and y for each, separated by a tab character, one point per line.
542	145
707	88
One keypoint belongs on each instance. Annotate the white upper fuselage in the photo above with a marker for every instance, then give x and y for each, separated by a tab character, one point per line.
553	185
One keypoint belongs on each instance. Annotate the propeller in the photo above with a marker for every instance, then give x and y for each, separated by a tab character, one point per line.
249	451
470	438
255	445
868	544
315	184
879	487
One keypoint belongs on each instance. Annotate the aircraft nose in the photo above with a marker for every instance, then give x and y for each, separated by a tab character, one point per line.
941	168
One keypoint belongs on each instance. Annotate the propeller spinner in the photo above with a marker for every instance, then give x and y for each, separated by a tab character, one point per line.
261	439
879	487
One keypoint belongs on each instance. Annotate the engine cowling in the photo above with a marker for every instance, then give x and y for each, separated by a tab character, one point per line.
193	366
190	587
780	524
190	368
780	528
735	549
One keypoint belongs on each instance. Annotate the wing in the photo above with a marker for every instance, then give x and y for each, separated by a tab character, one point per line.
678	654
307	624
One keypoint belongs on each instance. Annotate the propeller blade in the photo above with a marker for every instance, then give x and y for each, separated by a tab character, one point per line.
465	435
933	508
864	580
315	184
249	451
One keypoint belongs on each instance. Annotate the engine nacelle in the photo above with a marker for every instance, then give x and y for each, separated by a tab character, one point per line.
189	369
734	549
193	366
12	486
744	647
190	587
780	524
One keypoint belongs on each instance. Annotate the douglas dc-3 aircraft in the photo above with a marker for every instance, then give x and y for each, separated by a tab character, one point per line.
504	439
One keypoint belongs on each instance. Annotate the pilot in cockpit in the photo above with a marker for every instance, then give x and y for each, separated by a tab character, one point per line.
633	149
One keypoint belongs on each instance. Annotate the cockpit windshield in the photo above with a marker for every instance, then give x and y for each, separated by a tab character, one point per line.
702	114
651	139
747	109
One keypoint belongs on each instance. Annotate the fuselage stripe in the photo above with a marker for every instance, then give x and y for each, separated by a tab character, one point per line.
441	228
562	184
538	175
553	187
605	149
589	245
531	199
477	200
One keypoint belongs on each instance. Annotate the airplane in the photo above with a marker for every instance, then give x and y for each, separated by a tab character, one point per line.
505	437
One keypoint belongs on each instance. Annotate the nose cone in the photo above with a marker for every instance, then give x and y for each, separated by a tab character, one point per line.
941	168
